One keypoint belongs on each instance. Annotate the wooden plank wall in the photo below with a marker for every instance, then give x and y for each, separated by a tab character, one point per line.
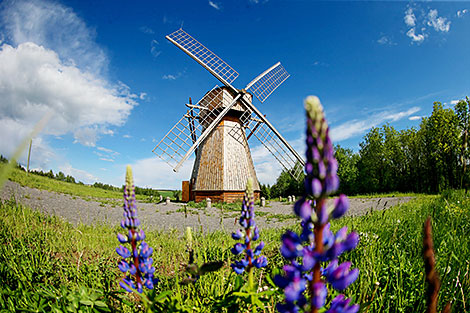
185	191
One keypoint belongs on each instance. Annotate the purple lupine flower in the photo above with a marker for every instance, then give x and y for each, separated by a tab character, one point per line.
341	305
319	294
317	243
136	263
249	235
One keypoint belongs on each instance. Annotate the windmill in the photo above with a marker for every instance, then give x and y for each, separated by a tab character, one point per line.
217	129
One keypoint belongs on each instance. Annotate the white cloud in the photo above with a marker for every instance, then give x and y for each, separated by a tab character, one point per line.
80	175
410	18
410	21
215	5
417	26
146	30
107	150
155	173
106	159
142	96
320	63
454	102
418	38
461	13
49	62
154	48
171	76
108	155
55	27
414	118
33	81
357	127
399	115
266	166
438	23
126	136
384	40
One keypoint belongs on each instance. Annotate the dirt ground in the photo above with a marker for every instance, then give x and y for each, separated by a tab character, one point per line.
173	216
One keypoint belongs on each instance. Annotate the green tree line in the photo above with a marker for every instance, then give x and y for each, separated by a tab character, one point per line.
428	159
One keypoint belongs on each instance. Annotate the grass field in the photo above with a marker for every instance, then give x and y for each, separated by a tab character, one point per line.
83	191
46	264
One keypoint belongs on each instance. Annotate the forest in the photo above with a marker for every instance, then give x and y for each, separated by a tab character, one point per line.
428	159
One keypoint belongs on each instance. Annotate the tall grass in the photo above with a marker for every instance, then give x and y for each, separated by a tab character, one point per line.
46	264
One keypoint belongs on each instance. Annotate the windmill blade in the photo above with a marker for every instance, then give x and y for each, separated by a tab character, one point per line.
209	60
264	85
290	161
257	125
193	127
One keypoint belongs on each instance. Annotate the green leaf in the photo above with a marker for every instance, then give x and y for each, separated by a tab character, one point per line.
242	294
163	295
101	304
270	281
238	283
86	302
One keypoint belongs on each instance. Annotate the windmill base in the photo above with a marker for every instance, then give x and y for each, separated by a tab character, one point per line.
221	196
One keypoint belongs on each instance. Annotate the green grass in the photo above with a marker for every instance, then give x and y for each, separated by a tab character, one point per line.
84	191
387	195
44	257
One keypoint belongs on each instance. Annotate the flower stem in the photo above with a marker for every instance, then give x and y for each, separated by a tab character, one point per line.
318	234
252	289
136	259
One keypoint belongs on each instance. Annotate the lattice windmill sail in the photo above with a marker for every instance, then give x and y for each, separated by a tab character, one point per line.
218	126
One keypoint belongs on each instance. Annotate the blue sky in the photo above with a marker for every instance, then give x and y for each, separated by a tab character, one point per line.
114	85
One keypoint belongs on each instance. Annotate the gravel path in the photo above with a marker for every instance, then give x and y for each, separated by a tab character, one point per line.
160	216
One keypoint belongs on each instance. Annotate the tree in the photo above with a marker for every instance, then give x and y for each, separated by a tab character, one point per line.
413	153
70	179
347	170
265	191
462	110
371	162
287	185
441	142
60	176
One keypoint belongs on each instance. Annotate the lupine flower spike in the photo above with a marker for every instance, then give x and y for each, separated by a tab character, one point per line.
248	236
317	244
136	263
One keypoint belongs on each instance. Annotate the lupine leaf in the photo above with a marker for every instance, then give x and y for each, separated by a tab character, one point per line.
162	295
238	283
242	294
101	304
86	302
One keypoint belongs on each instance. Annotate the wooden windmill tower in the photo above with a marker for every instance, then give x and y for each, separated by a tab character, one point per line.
217	128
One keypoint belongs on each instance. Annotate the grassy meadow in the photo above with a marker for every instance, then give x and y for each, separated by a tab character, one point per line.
46	264
78	190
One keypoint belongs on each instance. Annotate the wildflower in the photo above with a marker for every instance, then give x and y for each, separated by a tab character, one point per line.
137	262
317	243
248	236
